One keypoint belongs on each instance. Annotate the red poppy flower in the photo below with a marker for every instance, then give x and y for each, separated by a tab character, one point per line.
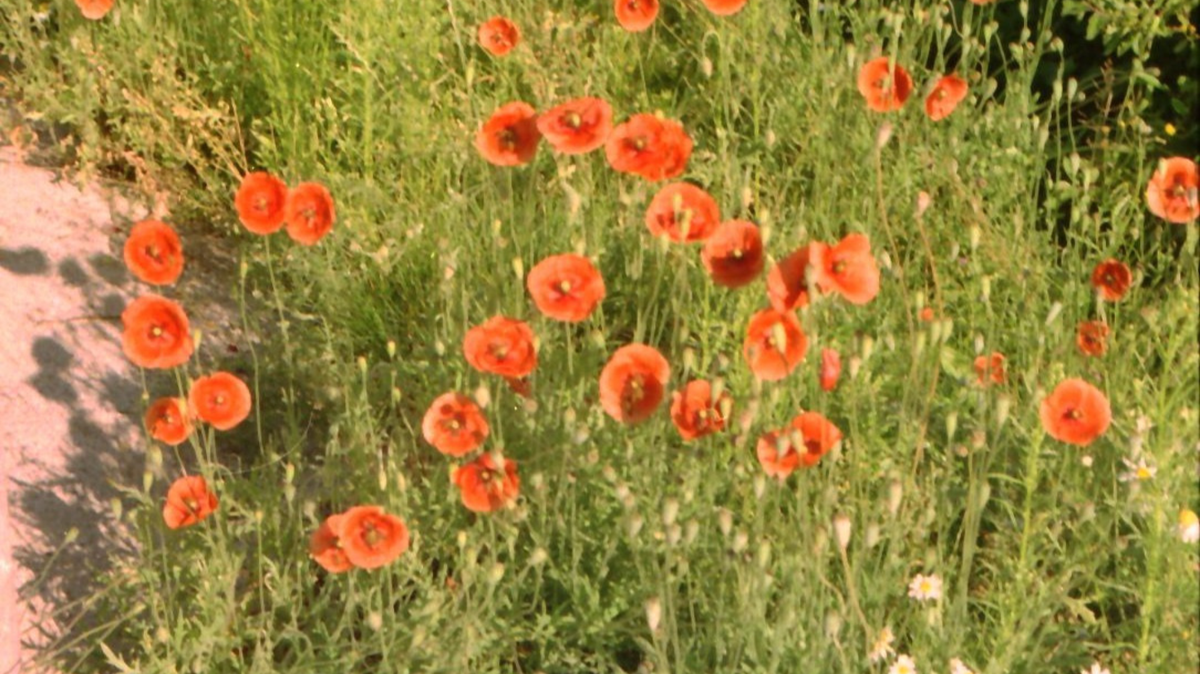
831	369
498	35
990	369
649	146
372	538
502	346
484	487
632	383
153	253
636	15
684	212
926	315
733	255
510	136
724	7
156	333
1111	279
325	545
168	421
577	126
454	424
945	97
260	202
189	500
1172	192
309	213
774	344
221	399
808	438
94	9
1076	413
566	287
695	413
1092	338
787	282
847	268
885	89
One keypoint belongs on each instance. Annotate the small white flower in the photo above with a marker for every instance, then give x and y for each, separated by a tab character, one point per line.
883	645
925	588
1139	471
1096	669
1189	526
903	665
957	667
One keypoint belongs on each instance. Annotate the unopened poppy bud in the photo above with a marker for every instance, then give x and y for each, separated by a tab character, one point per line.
538	557
841	530
747	198
635	525
674	533
985	289
391	348
764	555
820	540
653	613
461	538
894	496
760	486
670	511
1055	310
770	138
483	397
496	573
580	435
882	135
871	535
383	478
945	329
951	425
1003	406
197	335
518	267
979	344
689	359
725	521
974	232
867	347
537	481
923	203
853	365
622	491
439	347
690	530
919	344
764	221
375	621
1072	87
833	624
706	67
740	540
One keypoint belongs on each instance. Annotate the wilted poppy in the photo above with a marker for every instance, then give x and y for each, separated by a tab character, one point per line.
1076	413
566	287
577	126
454	424
775	344
1172	192
990	369
498	35
733	255
484	487
632	383
724	7
156	333
1111	279
502	346
847	268
683	212
372	538
94	9
153	253
885	88
309	213
189	500
787	282
636	15
1092	338
831	369
510	136
260	202
649	146
325	545
945	97
221	399
168	421
694	411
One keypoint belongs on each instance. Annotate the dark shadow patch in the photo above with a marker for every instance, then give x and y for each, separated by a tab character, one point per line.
73	273
109	268
111	306
50	355
122	395
24	261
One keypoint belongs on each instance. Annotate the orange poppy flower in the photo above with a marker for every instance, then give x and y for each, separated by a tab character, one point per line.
153	253
808	438
818	435
695	413
724	7
1076	413
260	202
325	545
1111	279
636	15
847	268
776	454
787	282
156	333
1172	192
309	213
189	500
94	9
221	399
1092	338
926	315
566	287
733	255
485	488
990	369
510	136
454	424
831	369
982	2
884	89
502	346
372	538
632	383
498	35
649	146
945	97
684	212
774	344
168	421
577	126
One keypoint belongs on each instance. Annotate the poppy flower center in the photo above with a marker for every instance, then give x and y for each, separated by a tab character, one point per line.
564	287
1072	414
156	331
884	84
573	120
485	476
153	253
219	400
812	447
261	203
1109	280
638	143
309	213
498	351
839	266
191	504
508	139
737	253
453	424
372	536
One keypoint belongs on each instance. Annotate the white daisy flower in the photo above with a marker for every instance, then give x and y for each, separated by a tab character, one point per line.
925	588
957	667
1139	471
1095	669
903	665
1189	526
883	645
